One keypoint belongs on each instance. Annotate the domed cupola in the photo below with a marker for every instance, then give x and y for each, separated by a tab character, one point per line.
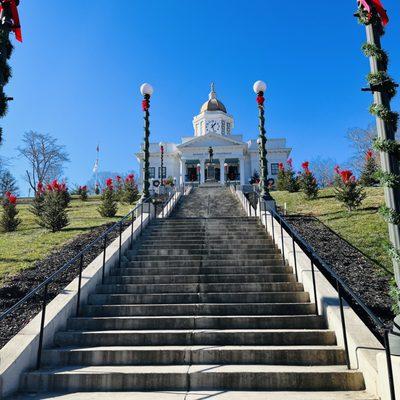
213	104
213	117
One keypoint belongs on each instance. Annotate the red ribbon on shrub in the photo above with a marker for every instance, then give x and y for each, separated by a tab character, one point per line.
16	28
260	99
145	105
379	9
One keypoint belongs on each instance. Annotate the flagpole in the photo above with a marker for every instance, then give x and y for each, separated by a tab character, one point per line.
97	163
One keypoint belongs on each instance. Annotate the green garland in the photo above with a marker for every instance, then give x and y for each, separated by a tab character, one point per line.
388	116
388	179
389	215
382	81
390	146
371	50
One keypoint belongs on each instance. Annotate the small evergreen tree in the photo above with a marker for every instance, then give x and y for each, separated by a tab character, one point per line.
308	183
9	220
292	183
119	188
370	169
348	191
83	192
53	209
131	191
7	183
281	178
36	207
109	206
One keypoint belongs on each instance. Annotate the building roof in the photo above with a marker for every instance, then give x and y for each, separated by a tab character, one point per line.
213	104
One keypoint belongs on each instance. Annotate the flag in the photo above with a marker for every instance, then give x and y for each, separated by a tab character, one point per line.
96	166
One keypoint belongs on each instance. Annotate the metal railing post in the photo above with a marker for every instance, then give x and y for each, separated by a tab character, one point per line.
314	287
40	345
283	245
343	320
104	258
78	299
389	364
131	245
120	245
141	218
272	227
295	257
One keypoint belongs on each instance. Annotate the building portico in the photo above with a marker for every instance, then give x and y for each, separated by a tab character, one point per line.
234	160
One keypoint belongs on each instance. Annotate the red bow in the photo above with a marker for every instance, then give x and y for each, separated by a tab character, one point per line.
260	99
379	9
145	105
16	28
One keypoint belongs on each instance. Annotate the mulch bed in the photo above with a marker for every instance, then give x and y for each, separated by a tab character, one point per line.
18	286
367	279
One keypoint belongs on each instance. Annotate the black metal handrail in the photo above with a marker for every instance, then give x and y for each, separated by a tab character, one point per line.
343	289
80	257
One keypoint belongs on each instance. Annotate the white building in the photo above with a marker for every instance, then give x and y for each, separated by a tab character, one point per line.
213	128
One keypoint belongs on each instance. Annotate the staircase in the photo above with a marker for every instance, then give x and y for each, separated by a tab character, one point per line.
202	308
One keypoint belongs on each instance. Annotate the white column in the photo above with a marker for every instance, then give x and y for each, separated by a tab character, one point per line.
222	171
241	161
202	171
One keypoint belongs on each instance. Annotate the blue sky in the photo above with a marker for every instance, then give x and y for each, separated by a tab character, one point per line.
78	72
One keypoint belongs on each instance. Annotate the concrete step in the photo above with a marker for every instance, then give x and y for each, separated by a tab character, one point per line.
200	288
200	270
186	298
198	322
179	355
201	395
188	262
210	377
267	337
204	252
210	247
199	309
225	278
247	257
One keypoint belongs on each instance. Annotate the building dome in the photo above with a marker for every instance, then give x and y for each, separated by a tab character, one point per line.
213	104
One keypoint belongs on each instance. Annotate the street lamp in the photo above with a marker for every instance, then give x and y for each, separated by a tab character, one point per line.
198	171
146	90
259	88
161	144
226	171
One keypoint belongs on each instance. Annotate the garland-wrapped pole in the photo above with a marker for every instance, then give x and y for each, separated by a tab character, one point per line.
372	14
259	88
9	22
146	90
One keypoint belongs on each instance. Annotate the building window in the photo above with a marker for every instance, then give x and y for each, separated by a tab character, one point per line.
274	168
228	127
152	172
223	127
164	173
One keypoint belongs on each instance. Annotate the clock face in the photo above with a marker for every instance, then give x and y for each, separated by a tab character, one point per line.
213	126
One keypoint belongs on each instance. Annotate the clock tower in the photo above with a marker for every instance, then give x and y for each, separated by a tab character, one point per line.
213	117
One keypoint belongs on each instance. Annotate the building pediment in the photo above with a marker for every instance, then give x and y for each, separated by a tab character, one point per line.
211	139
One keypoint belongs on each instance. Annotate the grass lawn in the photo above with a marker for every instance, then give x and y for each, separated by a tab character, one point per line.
18	250
364	228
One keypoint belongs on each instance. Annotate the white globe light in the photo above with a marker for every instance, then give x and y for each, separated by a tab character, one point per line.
259	86
146	88
225	165
161	144
259	141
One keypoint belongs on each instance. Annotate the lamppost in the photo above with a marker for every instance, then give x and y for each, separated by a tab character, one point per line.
198	172
226	172
383	88
259	88
146	90
162	163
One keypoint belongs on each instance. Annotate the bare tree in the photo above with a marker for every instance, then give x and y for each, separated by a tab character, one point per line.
323	169
45	156
361	141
